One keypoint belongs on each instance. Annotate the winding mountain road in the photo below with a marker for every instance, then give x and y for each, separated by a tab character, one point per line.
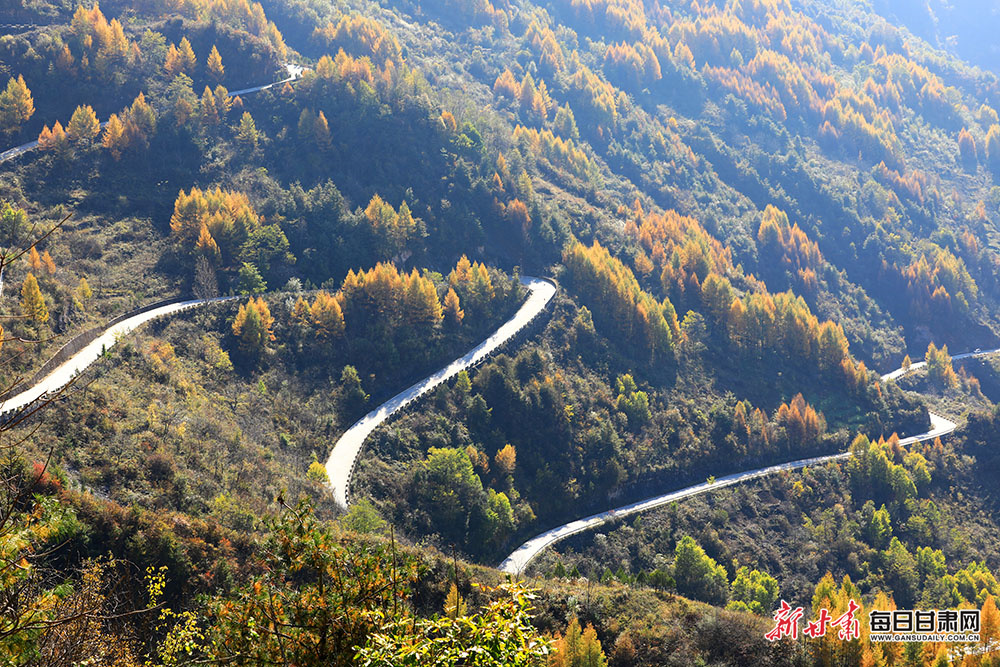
12	153
341	462
294	72
900	372
340	465
517	561
63	374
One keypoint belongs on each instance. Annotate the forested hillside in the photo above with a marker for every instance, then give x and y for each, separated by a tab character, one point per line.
751	209
964	29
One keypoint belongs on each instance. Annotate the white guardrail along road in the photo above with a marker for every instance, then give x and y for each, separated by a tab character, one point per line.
516	562
65	372
345	453
69	369
340	464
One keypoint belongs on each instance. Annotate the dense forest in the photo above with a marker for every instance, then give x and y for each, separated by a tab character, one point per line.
751	209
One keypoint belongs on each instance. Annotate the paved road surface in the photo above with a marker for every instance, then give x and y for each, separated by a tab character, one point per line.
12	153
65	372
294	71
900	372
345	453
516	562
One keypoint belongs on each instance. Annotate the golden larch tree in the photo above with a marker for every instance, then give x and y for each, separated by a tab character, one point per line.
34	260
48	263
65	62
16	105
452	308
448	120
32	302
967	149
83	127
180	58
327	316
83	291
506	459
517	214
300	312
54	140
214	65
421	301
990	623
248	135
206	246
462	273
173	64
577	648
993	147
143	115
114	137
322	131
252	326
209	112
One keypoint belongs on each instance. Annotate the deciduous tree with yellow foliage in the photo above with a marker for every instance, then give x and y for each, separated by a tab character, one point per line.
252	327
214	65
180	59
83	127
16	105
32	302
577	648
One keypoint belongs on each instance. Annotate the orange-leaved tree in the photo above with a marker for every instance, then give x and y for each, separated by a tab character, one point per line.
252	327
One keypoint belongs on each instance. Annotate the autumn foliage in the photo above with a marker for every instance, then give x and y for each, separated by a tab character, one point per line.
83	127
677	249
33	304
252	326
559	151
323	316
394	230
54	140
785	245
363	37
939	369
534	100
180	59
99	44
473	283
224	214
389	80
384	297
16	105
802	424
937	285
967	149
610	289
